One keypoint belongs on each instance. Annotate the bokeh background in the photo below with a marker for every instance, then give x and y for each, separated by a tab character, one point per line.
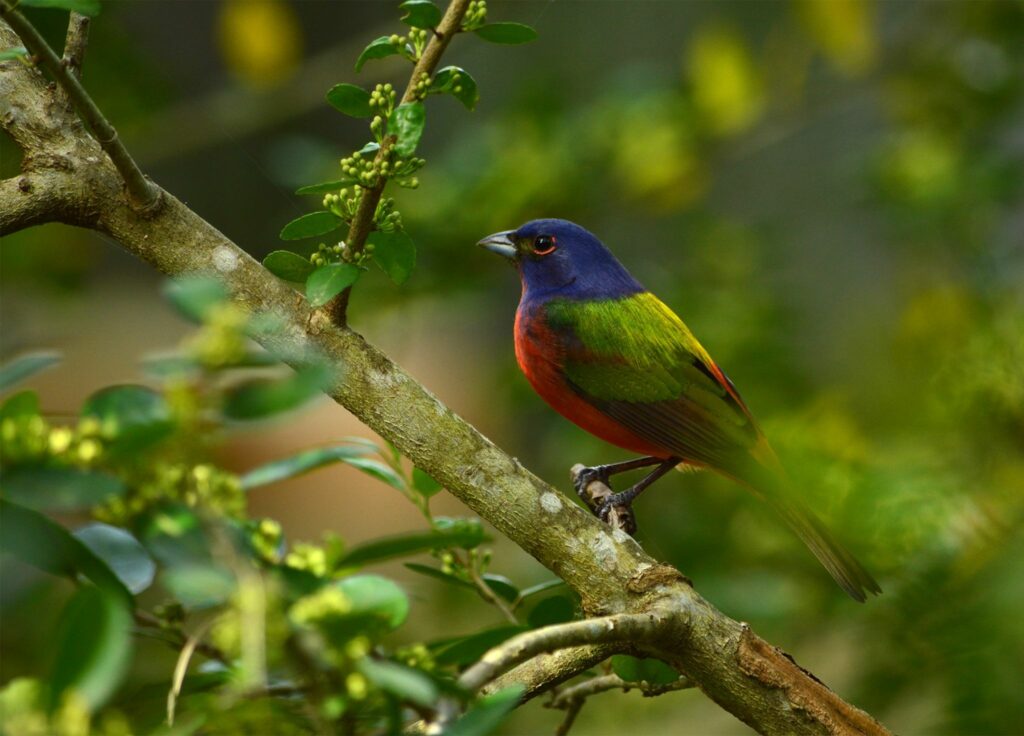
831	194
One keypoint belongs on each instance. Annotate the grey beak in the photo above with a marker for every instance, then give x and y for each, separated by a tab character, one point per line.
501	244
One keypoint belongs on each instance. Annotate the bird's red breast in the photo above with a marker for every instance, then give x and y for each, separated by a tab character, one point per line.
540	352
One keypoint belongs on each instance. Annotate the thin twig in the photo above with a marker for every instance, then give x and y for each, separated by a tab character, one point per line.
362	223
142	193
207	650
571	711
604	683
633	627
181	667
75	43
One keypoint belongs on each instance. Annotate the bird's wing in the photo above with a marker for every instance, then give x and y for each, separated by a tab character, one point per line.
635	361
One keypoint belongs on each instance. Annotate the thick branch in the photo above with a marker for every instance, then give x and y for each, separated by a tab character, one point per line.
362	223
144	195
751	679
620	628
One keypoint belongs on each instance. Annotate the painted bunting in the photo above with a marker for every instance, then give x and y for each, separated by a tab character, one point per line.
612	358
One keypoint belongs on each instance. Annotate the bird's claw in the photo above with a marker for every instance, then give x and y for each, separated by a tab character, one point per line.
617	515
582	482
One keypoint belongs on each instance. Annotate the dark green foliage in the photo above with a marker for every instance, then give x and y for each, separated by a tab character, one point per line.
406	123
25	366
85	7
458	83
351	100
328	281
395	253
420	13
311	225
378	49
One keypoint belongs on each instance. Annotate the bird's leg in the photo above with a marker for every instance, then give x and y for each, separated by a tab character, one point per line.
602	473
624	499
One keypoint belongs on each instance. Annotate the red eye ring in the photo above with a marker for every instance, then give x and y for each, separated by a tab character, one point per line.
544	245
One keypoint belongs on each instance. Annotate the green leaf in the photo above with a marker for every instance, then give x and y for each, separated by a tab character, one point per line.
651	671
174	536
380	598
459	83
42	543
14	52
424	484
433	572
94	647
487	713
402	545
22	367
540	588
136	417
421	14
469	649
510	33
122	552
288	266
311	225
58	488
406	123
404	683
301	463
327	186
85	7
378	49
195	296
326	282
378	470
199	586
350	99
22	404
262	397
395	253
555	610
502	586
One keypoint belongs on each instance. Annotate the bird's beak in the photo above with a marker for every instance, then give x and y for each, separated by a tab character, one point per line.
501	244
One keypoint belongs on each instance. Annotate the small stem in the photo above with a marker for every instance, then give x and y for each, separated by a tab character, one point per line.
75	43
571	711
362	223
142	193
489	595
583	690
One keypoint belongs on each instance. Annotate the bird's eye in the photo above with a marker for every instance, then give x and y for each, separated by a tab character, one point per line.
544	245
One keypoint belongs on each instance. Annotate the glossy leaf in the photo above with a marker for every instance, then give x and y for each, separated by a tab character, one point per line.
43	543
122	553
651	671
94	646
424	484
540	588
262	397
433	572
136	416
406	123
199	586
380	598
85	7
378	49
395	253
173	535
458	83
326	282
554	610
420	13
303	462
404	683
502	586
325	187
487	713
469	649
350	99
27	365
311	225
510	33
59	488
195	296
288	266
401	545
22	404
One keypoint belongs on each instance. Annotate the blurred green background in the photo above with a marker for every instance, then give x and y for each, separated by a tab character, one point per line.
830	193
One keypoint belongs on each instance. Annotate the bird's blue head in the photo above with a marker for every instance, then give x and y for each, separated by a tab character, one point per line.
558	258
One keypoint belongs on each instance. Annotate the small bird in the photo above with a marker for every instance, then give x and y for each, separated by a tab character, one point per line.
611	357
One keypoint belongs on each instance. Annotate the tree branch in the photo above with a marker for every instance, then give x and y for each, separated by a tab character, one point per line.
746	676
143	194
75	43
546	671
362	223
595	685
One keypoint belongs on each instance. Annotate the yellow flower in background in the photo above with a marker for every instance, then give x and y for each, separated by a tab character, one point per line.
727	88
843	30
260	40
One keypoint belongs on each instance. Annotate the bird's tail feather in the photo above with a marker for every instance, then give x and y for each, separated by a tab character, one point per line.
840	563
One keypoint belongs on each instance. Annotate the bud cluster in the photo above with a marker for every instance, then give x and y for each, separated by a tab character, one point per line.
196	486
476	15
383	98
29	438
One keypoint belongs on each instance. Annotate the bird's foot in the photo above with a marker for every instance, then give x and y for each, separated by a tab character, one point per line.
583	477
617	515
